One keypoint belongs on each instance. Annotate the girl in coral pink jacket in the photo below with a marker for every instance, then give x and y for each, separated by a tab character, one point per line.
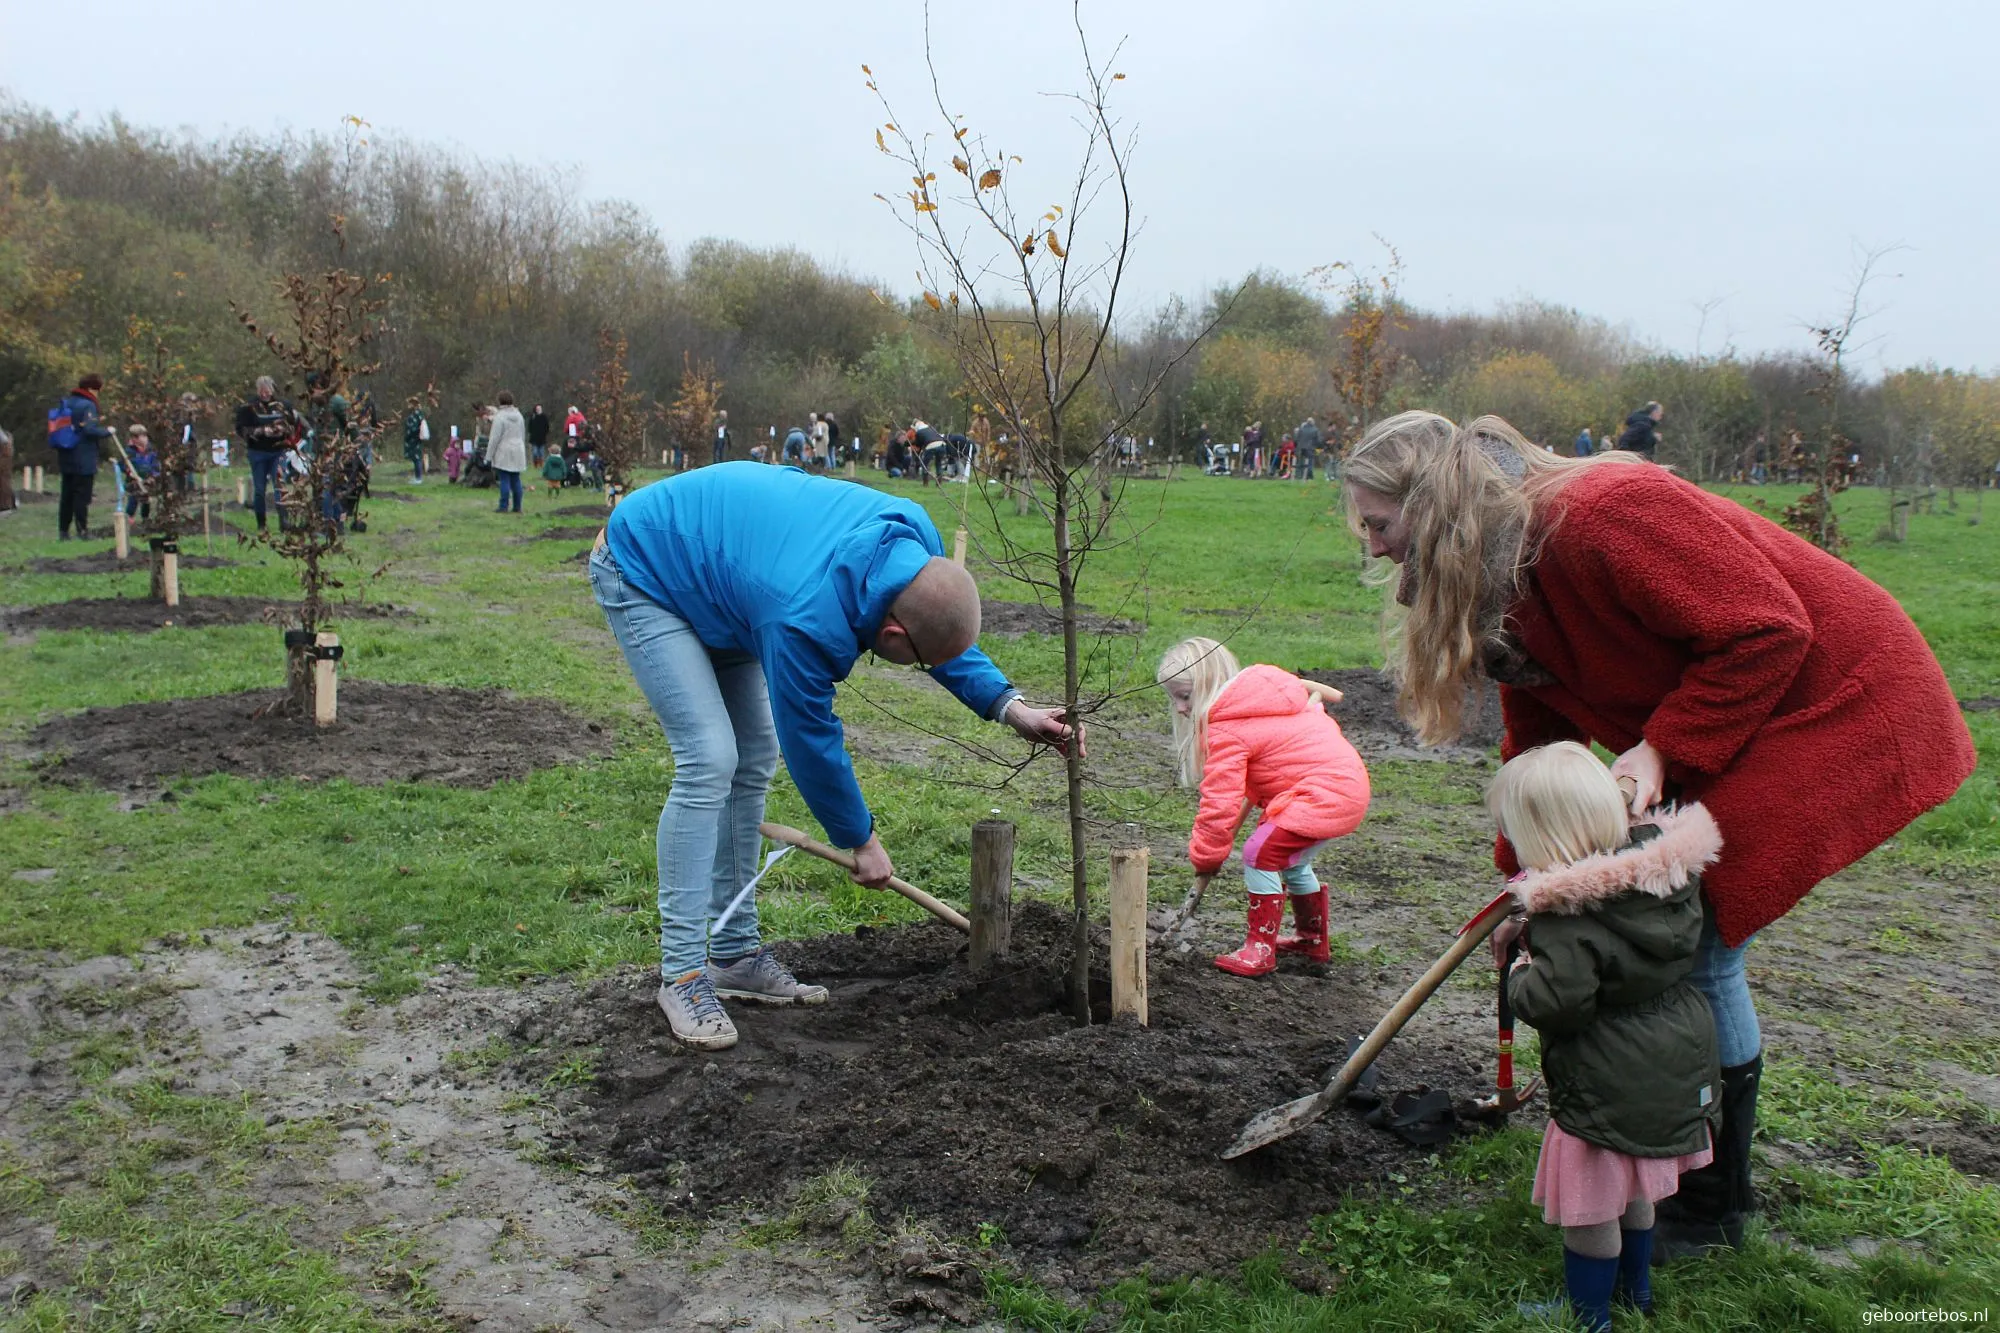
1261	738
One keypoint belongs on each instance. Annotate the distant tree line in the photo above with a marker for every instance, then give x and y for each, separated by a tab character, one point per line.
502	275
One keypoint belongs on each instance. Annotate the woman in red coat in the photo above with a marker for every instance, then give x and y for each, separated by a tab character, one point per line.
1721	658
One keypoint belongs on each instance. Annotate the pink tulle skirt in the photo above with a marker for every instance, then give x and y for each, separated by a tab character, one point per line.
1580	1184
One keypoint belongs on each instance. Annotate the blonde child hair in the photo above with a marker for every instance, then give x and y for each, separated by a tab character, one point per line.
1208	667
1558	804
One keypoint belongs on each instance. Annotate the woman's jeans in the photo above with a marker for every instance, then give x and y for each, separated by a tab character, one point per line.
1718	975
716	713
510	484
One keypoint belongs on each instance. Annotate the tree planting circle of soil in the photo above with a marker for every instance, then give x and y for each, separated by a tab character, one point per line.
107	562
580	511
1367	711
145	614
996	617
569	534
385	733
969	1100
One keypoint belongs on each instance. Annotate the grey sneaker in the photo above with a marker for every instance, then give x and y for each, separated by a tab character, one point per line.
695	1014
762	979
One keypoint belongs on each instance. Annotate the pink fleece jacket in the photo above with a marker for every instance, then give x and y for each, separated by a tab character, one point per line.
1271	743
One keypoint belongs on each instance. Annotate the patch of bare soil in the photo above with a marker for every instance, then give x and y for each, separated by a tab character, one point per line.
972	1099
143	615
580	511
107	562
1369	716
570	534
1009	618
1985	703
416	1142
386	733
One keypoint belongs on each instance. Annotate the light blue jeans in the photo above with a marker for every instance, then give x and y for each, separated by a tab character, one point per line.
716	712
1718	975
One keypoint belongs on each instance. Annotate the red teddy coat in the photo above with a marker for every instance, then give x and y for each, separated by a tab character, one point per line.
1787	693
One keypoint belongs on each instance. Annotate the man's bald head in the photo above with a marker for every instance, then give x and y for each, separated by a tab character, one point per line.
939	611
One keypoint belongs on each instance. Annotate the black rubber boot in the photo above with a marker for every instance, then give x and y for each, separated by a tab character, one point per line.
1708	1211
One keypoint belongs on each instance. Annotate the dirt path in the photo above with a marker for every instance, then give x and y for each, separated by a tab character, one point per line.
416	1142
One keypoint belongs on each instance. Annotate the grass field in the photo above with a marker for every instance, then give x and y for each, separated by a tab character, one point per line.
522	881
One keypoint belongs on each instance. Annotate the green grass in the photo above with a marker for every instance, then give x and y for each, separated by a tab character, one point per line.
554	873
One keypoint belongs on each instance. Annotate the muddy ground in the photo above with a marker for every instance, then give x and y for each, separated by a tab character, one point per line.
143	615
107	562
385	733
569	534
399	1134
580	511
444	1115
1367	713
1009	618
974	1101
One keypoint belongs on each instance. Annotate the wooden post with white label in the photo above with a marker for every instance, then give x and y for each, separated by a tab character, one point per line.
1128	934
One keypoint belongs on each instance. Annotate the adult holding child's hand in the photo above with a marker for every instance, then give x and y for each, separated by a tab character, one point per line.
1719	657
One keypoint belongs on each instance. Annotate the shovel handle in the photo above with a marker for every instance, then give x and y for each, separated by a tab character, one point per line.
944	912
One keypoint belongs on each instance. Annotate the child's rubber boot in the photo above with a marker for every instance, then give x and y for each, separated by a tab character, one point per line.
1259	953
1634	1290
1588	1284
1309	921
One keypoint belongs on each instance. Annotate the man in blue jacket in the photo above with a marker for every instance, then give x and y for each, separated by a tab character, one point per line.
77	460
741	595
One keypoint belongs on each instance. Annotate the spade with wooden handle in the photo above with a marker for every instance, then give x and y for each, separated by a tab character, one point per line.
1280	1122
1170	919
944	912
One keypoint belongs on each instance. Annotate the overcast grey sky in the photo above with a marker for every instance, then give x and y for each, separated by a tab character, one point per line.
1631	160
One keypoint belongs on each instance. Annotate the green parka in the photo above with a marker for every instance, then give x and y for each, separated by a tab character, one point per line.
1628	1045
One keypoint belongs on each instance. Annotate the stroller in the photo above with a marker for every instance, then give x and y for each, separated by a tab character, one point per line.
1214	460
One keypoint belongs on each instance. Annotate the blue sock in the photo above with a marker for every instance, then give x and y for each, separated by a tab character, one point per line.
1635	1277
1589	1282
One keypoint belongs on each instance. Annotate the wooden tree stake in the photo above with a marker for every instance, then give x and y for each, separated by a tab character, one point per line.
992	891
850	469
1128	934
170	573
958	549
242	492
120	535
326	680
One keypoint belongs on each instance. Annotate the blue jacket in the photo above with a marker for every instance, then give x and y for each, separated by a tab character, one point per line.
798	571
1584	448
82	460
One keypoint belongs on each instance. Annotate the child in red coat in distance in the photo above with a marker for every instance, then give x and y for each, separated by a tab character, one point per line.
1261	737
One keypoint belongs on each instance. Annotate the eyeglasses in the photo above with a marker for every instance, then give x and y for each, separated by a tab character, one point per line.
910	639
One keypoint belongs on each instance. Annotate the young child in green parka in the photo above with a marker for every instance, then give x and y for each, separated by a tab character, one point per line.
554	470
1628	1045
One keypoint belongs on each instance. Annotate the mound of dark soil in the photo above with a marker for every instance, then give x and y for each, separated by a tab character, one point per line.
107	562
386	733
1028	618
971	1099
143	615
580	511
571	534
1985	703
1368	713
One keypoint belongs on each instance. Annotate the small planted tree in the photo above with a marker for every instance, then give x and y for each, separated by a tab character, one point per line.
324	335
691	420
1025	297
612	414
1827	473
1371	308
156	388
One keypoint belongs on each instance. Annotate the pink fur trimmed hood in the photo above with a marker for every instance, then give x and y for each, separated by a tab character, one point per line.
1688	841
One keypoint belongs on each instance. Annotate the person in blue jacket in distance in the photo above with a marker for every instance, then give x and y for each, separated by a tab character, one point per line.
741	595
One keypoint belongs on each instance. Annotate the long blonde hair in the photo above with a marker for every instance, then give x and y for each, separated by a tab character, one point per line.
1558	804
1208	667
1471	497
